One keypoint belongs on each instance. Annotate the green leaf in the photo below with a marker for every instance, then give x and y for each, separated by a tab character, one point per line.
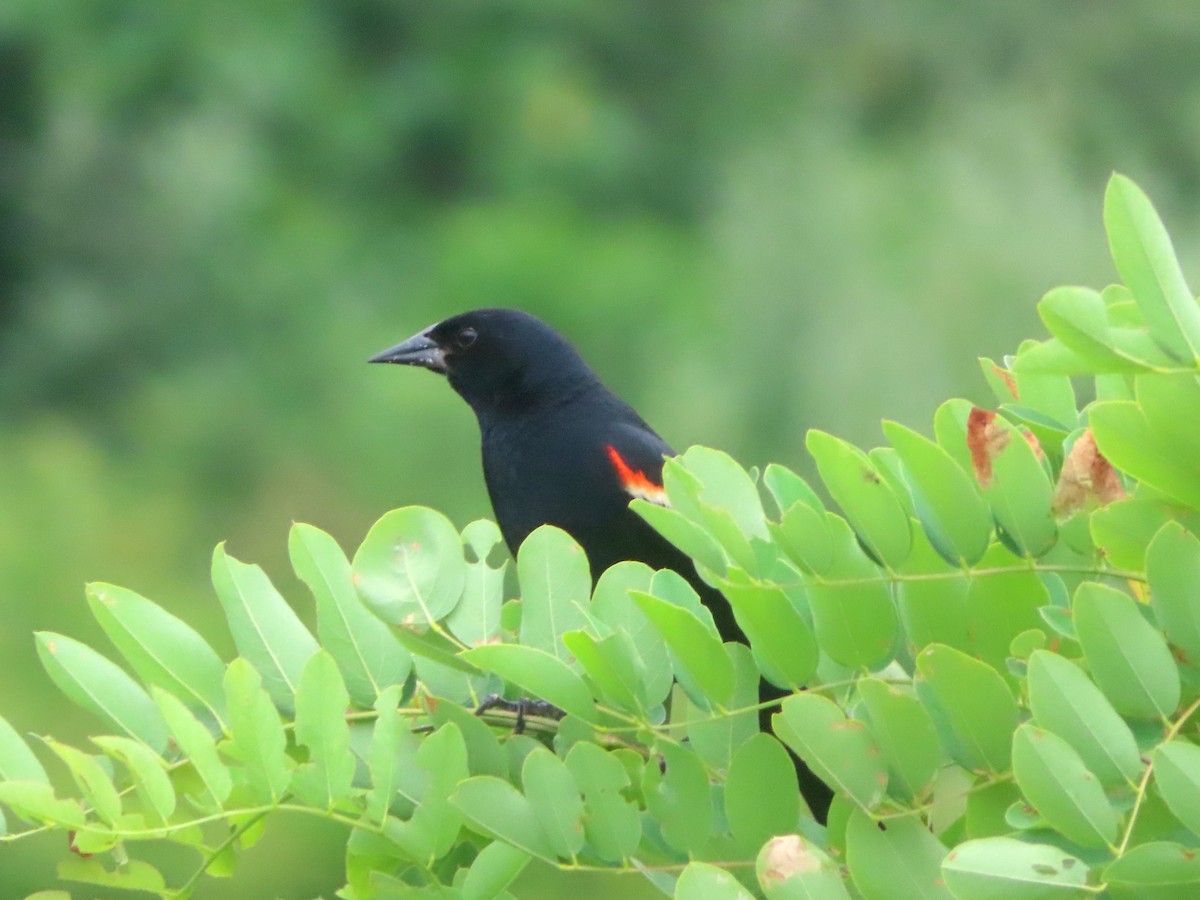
612	605
1124	529
100	686
147	771
267	632
556	800
498	809
946	499
1054	779
784	645
787	489
839	750
725	485
434	647
1019	492
896	859
383	753
1155	871
762	798
699	652
555	588
1002	605
35	800
321	701
493	870
1049	396
868	501
791	868
163	650
611	824
609	662
950	429
476	619
17	762
1078	318
485	755
933	610
1173	571
716	738
539	673
410	567
367	653
681	531
1065	701
194	740
803	534
987	805
679	799
92	780
258	739
852	605
1128	657
134	875
976	708
1001	868
1126	440
1177	774
905	733
710	882
427	779
1143	254
1169	403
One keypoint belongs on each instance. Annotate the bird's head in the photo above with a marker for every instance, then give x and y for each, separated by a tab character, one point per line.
497	359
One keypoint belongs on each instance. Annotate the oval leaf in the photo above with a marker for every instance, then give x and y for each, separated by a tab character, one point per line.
102	687
839	750
410	567
1128	657
975	706
1058	785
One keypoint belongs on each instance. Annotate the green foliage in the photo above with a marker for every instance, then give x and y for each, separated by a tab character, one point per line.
991	652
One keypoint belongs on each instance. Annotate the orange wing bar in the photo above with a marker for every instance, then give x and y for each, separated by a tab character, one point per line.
634	481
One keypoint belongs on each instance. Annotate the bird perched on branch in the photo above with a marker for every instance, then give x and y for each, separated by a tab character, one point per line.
560	448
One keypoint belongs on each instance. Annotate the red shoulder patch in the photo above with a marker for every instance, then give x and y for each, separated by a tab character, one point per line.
634	481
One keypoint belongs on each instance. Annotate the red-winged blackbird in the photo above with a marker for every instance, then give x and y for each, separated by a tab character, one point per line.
560	448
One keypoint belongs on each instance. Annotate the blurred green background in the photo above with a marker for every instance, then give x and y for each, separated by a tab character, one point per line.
753	218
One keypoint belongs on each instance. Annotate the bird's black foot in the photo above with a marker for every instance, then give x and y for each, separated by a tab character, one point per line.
522	707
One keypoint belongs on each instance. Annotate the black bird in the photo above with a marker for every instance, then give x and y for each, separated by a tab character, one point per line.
561	448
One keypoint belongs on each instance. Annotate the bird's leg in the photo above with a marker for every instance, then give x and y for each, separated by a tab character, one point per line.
522	707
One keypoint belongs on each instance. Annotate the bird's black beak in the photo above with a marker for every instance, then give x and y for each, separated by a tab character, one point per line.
418	350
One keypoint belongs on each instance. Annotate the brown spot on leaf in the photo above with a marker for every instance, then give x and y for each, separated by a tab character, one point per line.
786	856
1032	441
985	440
1009	382
1087	480
871	476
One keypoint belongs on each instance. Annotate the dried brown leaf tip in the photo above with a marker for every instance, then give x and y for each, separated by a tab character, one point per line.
1086	477
1009	382
986	440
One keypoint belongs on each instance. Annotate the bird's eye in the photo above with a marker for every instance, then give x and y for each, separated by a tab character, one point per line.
466	337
